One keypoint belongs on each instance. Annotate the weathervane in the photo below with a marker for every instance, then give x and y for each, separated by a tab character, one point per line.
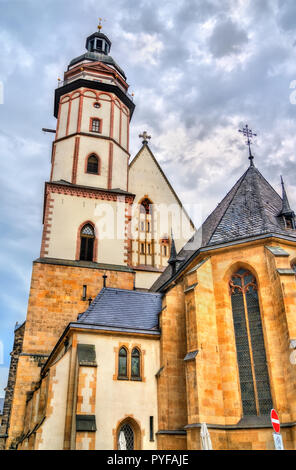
145	137
249	135
100	24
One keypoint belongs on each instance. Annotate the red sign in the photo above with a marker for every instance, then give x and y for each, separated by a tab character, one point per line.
275	421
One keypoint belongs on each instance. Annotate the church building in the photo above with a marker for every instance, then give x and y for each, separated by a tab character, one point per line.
139	327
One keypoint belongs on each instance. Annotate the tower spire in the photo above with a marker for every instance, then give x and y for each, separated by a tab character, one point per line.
173	255
286	209
286	212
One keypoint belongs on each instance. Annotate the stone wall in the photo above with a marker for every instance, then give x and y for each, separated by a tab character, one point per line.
55	300
17	349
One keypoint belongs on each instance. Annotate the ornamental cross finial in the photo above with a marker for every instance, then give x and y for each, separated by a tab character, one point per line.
145	137
249	135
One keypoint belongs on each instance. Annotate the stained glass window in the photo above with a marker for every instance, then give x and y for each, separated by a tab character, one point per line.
135	366
251	357
122	363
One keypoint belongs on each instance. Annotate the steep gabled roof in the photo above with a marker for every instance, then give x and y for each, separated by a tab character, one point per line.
251	208
123	309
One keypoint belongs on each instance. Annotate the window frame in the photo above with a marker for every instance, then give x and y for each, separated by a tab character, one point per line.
91	125
248	326
122	376
136	377
84	239
98	172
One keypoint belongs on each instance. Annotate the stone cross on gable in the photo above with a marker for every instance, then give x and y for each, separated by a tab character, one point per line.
145	137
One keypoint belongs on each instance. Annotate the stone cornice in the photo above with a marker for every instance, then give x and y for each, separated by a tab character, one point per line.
87	191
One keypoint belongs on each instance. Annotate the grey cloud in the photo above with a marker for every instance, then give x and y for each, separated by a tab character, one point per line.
287	14
206	100
227	38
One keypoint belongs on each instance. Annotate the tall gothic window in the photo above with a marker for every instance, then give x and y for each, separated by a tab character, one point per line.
135	364
146	241
122	363
87	238
92	164
251	357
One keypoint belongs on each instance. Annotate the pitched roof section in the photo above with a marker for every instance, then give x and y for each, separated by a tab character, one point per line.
124	309
252	207
253	210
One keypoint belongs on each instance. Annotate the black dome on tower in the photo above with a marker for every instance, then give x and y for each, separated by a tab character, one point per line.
98	46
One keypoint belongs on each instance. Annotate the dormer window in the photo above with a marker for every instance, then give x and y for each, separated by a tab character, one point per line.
289	221
99	44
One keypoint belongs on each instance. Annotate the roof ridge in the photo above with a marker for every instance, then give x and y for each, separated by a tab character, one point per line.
130	290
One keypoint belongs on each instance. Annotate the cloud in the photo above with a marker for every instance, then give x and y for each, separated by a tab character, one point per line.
198	69
227	38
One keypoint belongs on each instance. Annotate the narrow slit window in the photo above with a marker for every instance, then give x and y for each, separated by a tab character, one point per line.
135	365
122	363
87	237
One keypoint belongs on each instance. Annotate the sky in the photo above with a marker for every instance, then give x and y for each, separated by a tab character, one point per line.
199	70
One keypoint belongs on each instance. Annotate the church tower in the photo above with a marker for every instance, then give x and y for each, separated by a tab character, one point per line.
100	225
88	183
90	158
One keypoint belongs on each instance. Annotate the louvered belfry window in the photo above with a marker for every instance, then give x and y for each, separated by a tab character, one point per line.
251	356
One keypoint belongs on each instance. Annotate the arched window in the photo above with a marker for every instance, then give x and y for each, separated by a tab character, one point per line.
92	164
126	437
293	266
146	251
146	206
135	364
122	363
87	238
251	357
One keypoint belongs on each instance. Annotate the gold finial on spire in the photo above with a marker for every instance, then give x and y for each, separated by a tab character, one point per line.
100	24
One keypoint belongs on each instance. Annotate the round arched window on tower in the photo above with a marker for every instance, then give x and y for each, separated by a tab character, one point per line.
87	238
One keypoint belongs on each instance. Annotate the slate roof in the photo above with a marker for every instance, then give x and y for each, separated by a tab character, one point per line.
97	57
124	309
251	208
